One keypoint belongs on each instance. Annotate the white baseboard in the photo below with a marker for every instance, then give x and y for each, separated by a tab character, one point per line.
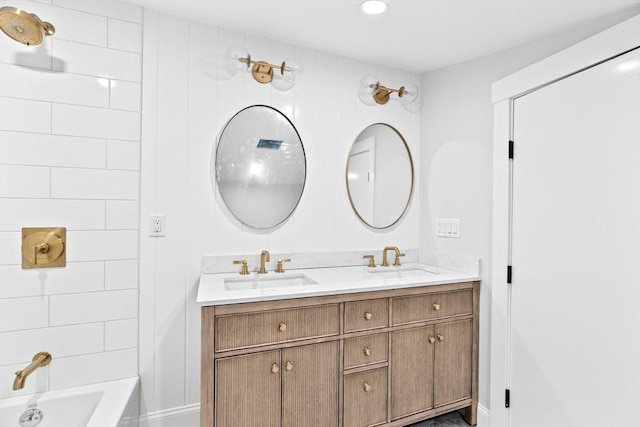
483	416
185	416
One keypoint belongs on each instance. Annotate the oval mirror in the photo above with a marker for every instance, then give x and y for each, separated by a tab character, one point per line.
260	166
380	175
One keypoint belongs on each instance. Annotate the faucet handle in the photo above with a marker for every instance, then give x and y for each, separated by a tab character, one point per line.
279	268
245	268
397	260
372	261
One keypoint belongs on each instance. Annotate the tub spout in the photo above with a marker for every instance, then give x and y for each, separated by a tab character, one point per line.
40	359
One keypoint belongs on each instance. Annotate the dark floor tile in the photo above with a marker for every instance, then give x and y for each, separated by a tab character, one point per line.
452	419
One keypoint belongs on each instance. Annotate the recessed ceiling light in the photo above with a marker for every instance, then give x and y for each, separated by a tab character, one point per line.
373	7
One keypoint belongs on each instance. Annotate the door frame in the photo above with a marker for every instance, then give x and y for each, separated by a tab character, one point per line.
601	47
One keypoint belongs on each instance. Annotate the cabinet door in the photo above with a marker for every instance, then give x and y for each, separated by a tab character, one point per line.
411	371
248	390
310	385
365	398
453	362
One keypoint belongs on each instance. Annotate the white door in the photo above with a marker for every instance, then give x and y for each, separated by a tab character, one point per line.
575	294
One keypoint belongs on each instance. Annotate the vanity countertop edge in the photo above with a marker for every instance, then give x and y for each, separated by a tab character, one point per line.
329	281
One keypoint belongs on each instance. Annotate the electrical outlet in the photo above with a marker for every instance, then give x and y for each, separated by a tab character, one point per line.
157	225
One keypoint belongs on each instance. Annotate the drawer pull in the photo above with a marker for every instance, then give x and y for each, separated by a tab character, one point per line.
431	340
282	327
368	315
288	366
274	368
440	337
367	351
436	306
367	387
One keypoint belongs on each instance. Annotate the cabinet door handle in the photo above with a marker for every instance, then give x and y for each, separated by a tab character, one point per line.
367	351
440	337
288	366
436	306
367	387
282	327
368	315
274	368
431	340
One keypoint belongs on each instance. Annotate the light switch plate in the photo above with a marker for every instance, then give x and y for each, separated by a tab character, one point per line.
448	227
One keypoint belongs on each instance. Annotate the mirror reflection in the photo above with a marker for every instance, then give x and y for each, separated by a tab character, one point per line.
260	167
379	175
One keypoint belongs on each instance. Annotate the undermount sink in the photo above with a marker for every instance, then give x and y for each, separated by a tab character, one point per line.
402	273
266	282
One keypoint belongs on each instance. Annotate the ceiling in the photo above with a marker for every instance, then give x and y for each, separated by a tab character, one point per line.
414	35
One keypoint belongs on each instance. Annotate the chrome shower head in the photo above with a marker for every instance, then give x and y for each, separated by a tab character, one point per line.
24	27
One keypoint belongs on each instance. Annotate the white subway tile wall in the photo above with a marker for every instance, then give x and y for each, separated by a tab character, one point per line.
121	274
121	334
70	156
20	148
23	115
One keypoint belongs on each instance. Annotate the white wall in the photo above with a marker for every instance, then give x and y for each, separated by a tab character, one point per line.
185	108
456	158
69	156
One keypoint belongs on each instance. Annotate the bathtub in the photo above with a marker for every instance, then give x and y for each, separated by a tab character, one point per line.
108	404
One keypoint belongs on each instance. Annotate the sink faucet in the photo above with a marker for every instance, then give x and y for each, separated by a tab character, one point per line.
396	262
40	359
264	257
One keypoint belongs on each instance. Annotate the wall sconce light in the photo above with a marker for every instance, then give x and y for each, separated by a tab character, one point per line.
371	92
282	76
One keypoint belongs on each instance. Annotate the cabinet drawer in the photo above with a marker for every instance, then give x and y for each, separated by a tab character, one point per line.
366	314
365	350
365	398
431	306
269	327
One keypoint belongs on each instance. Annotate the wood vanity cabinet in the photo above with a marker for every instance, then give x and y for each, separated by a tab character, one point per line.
382	358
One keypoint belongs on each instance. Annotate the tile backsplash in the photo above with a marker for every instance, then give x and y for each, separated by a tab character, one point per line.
70	156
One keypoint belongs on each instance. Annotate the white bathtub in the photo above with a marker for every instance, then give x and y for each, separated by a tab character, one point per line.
108	404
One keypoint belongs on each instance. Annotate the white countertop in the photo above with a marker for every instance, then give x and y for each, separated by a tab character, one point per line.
216	289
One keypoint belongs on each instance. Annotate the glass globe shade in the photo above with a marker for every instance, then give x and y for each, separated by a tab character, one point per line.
409	95
366	89
294	69
233	59
280	83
